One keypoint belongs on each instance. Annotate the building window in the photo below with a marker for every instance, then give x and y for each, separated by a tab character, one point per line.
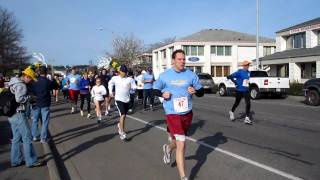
299	40
313	70
186	50
193	50
227	50
220	71
164	54
213	50
195	69
303	71
283	70
156	56
170	51
221	50
267	50
318	37
200	50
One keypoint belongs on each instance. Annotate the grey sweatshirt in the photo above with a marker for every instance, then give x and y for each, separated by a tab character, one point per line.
19	89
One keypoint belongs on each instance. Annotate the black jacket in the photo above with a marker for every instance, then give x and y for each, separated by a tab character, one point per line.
41	89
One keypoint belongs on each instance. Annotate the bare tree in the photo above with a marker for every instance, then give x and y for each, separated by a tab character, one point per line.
127	49
12	54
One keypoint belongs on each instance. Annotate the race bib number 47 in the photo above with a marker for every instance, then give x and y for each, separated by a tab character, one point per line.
180	105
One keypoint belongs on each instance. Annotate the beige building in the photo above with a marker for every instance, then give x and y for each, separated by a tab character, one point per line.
215	51
298	52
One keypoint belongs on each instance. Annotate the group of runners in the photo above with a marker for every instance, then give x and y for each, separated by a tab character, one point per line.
176	87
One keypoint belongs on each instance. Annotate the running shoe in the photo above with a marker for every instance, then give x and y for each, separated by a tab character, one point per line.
81	112
123	136
107	113
247	120
89	116
231	115
184	178
99	120
35	139
166	154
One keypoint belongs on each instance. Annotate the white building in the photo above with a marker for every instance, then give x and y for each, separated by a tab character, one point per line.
218	52
298	52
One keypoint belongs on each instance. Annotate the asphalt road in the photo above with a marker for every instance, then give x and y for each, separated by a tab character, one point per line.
282	143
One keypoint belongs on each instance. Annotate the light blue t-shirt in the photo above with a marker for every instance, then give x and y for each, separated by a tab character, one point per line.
147	77
177	84
74	81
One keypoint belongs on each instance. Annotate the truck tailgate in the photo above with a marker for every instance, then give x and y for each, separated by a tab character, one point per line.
276	82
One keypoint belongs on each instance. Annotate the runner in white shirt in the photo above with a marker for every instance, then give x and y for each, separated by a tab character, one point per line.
123	85
97	93
139	85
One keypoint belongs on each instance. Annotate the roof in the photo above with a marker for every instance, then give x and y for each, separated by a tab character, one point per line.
223	35
307	23
293	53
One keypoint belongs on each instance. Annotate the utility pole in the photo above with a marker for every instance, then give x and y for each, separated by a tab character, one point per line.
257	38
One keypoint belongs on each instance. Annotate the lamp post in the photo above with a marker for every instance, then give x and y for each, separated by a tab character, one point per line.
51	62
257	37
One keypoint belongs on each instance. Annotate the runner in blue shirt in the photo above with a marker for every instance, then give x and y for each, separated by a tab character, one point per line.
148	79
74	88
177	86
241	79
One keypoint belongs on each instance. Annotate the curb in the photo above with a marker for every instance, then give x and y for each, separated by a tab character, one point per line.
51	163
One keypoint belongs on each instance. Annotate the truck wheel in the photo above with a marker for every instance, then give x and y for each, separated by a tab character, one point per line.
312	98
254	93
222	90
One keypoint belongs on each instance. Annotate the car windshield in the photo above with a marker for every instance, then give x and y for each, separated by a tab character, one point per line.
258	74
204	76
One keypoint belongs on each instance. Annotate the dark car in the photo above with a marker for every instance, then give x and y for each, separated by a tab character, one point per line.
207	82
312	91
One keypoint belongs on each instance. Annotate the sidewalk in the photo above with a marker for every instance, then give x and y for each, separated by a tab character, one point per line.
21	172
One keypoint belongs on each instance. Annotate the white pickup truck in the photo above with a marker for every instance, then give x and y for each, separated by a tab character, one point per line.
260	83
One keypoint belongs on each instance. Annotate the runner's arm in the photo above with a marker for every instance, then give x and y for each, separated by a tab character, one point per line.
197	86
232	76
157	92
158	86
104	90
111	84
199	92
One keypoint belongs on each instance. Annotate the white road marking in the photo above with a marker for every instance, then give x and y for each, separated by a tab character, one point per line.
244	159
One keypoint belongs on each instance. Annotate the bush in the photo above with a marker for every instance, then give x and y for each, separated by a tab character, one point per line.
296	89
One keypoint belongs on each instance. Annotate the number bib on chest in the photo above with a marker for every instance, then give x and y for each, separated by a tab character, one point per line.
245	83
180	105
72	80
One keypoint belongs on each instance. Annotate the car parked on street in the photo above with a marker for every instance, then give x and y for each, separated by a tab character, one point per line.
312	91
260	83
207	82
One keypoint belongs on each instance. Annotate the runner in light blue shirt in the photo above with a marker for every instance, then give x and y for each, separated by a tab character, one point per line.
148	79
177	86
